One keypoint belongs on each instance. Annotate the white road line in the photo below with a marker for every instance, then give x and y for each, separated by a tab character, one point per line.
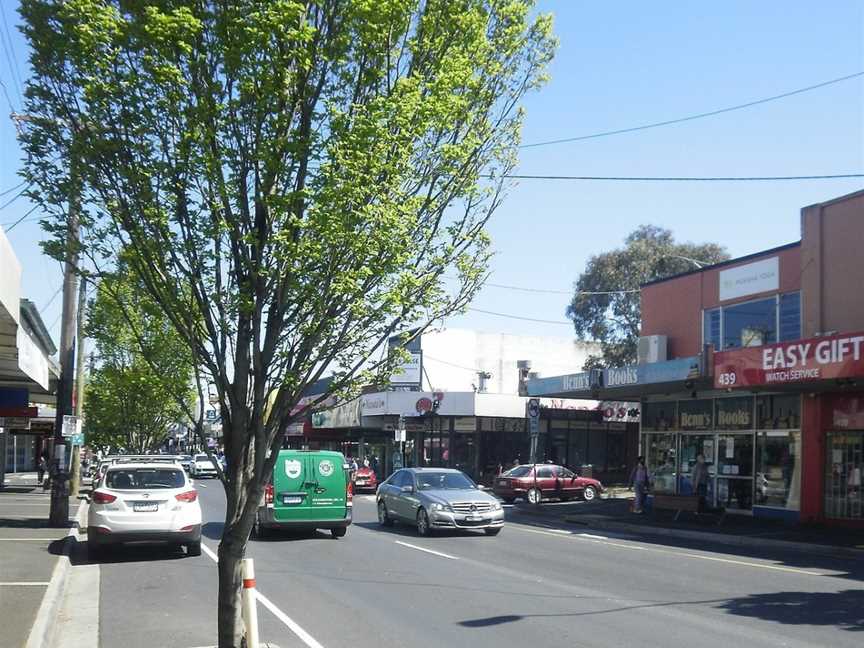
430	551
304	636
25	584
592	536
28	539
744	563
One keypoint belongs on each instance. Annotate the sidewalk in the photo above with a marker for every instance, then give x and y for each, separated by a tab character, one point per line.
613	514
30	553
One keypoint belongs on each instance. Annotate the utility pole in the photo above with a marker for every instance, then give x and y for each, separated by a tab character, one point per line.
79	382
59	515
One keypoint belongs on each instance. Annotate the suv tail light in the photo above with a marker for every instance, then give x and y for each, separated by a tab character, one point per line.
188	496
268	494
349	493
103	498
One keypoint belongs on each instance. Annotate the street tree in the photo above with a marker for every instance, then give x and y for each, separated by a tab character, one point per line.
606	304
291	179
143	382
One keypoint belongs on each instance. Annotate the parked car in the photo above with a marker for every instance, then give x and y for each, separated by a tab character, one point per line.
144	502
307	490
186	461
551	482
365	479
202	467
437	498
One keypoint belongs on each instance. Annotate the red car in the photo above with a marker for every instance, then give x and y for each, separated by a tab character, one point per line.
365	479
551	482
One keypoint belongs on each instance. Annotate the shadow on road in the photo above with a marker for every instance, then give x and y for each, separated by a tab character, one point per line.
844	610
406	530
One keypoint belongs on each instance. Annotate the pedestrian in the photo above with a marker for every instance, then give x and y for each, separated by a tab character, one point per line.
40	469
366	461
700	481
515	462
353	462
639	483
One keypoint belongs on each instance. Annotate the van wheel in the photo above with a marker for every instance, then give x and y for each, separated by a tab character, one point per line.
383	516
338	533
422	523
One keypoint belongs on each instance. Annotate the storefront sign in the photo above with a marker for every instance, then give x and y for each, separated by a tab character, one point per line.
620	411
409	372
750	279
695	414
824	358
15	422
654	372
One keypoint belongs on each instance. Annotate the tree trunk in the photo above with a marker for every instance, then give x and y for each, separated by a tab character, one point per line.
230	622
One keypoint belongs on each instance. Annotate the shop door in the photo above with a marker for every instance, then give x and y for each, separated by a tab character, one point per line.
844	497
692	445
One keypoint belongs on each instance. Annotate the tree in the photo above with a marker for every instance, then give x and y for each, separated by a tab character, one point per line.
613	317
292	179
144	365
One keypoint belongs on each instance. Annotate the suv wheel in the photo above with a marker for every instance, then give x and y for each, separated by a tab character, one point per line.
193	549
338	533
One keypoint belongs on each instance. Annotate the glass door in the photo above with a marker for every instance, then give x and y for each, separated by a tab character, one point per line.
844	496
735	470
693	445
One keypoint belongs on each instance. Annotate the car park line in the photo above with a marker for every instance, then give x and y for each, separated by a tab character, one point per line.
292	625
430	551
685	554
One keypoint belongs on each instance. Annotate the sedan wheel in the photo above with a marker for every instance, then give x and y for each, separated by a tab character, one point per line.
589	494
534	496
422	523
383	516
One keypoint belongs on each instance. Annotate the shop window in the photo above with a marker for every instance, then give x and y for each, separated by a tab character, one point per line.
597	446
735	455
577	455
778	412
659	451
844	476
658	416
695	414
778	468
790	316
750	324
711	334
734	413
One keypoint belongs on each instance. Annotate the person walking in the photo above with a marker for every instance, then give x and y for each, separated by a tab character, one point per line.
639	483
40	469
700	480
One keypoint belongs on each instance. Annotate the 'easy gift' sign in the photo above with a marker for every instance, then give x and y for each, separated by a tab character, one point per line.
824	358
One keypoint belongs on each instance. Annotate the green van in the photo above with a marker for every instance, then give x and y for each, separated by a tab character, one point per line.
309	489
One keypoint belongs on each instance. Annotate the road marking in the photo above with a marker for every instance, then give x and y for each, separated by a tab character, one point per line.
29	539
744	563
436	553
592	536
304	636
24	584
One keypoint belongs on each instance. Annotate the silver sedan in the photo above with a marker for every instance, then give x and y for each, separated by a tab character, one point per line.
437	498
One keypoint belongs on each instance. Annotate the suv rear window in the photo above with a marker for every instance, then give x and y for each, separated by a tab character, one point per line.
144	478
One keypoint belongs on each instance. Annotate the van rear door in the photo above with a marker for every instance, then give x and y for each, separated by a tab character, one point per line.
328	493
290	494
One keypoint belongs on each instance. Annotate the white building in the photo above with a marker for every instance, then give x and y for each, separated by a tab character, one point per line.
452	359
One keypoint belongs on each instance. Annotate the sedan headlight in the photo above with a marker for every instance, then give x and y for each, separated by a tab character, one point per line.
441	507
496	506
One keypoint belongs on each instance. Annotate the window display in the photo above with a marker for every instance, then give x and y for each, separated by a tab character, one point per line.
660	459
778	472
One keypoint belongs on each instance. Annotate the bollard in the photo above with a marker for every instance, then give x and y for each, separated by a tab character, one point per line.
250	610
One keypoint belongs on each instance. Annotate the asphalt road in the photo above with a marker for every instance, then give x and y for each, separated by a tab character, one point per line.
389	588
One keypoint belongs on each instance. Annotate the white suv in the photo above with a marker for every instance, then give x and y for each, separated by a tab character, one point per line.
202	466
144	503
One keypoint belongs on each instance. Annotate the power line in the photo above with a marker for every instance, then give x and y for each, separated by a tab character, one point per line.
551	291
20	220
679	178
10	56
51	301
519	317
711	113
472	369
11	189
13	199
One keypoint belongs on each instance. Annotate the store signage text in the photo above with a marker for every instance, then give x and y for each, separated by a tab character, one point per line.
622	376
837	356
757	277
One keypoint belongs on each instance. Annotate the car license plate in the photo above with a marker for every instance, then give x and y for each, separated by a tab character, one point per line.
145	507
474	518
292	499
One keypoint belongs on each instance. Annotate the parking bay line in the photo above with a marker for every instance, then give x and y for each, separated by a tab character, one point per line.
304	636
25	584
743	563
430	551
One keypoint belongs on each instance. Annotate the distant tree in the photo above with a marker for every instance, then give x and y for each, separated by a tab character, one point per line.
614	319
144	366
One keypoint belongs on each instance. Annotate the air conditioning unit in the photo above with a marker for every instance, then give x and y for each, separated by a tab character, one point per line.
651	348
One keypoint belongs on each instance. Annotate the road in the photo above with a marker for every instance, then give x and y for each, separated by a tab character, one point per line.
389	588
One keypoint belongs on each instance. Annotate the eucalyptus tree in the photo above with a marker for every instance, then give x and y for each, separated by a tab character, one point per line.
291	178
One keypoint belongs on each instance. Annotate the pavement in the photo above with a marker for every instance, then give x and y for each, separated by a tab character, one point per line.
613	514
30	553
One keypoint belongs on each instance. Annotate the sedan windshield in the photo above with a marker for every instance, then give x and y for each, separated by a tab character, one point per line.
144	478
201	458
445	480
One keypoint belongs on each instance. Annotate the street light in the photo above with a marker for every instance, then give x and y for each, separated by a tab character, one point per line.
698	264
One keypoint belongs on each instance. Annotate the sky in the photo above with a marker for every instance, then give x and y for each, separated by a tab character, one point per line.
619	65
